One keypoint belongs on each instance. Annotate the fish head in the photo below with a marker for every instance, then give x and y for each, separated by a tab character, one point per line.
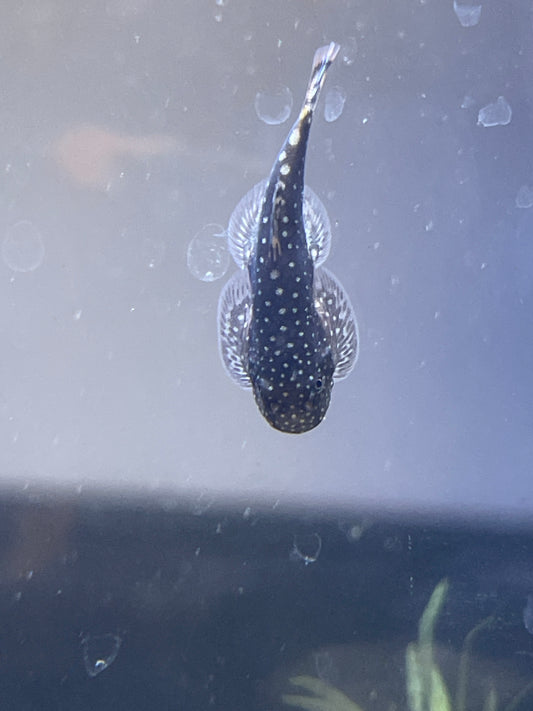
299	402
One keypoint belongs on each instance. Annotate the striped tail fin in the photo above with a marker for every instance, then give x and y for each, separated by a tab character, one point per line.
324	56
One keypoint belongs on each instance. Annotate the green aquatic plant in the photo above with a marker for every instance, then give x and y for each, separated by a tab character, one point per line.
326	697
426	689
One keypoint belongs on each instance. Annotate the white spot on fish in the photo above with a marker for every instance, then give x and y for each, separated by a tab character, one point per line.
294	138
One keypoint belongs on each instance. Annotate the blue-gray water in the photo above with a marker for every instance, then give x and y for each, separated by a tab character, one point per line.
239	556
130	125
116	607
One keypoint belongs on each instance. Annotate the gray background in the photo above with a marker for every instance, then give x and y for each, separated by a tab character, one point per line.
129	125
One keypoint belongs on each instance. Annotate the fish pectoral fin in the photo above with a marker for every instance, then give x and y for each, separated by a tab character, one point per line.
338	318
317	227
234	314
243	224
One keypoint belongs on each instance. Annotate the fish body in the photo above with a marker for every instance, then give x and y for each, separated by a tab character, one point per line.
286	326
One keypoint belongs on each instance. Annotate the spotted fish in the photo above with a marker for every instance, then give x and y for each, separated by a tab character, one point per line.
285	324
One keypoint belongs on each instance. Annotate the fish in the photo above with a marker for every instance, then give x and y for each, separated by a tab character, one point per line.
286	326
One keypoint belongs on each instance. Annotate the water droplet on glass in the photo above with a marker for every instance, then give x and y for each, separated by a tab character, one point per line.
524	197
208	253
152	252
99	652
18	170
325	667
468	15
348	51
23	248
123	9
335	100
392	544
203	502
496	114
354	530
306	547
467	102
274	106
527	614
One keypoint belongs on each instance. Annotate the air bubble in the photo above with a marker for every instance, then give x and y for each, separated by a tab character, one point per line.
468	15
274	106
23	248
524	197
306	547
99	652
325	667
335	100
497	114
208	254
354	530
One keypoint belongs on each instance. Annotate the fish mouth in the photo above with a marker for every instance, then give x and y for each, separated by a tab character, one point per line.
299	426
292	417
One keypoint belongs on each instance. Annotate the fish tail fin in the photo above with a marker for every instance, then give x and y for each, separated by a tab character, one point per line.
324	56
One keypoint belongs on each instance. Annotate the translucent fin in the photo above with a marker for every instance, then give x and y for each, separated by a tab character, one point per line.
317	227
336	312
242	228
323	58
234	313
